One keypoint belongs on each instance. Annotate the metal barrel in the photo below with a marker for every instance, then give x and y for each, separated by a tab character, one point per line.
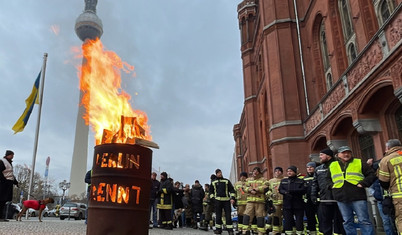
120	190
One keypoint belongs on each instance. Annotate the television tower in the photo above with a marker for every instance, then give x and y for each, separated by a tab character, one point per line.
87	26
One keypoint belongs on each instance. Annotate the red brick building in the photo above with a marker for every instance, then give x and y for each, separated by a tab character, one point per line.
318	74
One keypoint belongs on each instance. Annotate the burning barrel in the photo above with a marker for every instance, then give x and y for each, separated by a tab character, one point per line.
120	190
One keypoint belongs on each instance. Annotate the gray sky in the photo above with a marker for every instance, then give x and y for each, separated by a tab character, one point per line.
186	55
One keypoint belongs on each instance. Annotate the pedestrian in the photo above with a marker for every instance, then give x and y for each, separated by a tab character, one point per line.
255	208
222	192
350	176
390	176
155	184
241	199
206	205
7	180
293	190
188	213
275	219
329	217
310	207
197	194
178	204
165	202
87	180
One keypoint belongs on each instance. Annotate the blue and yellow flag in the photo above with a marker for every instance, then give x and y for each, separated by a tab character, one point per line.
30	101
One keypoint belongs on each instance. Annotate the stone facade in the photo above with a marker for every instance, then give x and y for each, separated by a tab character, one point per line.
346	91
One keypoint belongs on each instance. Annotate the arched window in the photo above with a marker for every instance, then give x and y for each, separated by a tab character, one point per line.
329	81
324	48
345	18
352	54
243	30
384	9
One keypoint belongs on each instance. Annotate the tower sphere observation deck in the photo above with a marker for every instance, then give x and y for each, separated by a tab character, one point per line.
88	25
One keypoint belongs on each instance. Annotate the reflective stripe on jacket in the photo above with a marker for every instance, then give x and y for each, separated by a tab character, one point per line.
259	185
352	175
241	193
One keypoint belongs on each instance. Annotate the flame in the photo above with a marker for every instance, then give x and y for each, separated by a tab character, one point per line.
107	105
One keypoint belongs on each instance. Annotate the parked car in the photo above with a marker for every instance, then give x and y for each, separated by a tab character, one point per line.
13	210
34	213
75	210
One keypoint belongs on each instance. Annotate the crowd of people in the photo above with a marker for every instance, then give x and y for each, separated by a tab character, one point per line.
331	197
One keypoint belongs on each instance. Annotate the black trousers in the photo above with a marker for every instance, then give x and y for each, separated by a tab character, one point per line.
330	218
165	217
2	205
289	214
311	211
225	205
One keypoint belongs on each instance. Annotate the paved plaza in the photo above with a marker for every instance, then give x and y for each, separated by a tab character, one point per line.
55	226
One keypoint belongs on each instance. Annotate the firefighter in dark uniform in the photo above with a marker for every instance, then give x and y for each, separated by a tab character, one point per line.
223	193
293	189
310	206
165	202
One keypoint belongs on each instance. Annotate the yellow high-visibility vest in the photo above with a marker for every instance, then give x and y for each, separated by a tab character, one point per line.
353	173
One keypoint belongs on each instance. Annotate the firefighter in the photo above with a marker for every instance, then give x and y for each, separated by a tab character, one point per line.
223	193
274	222
241	199
293	189
390	176
310	208
165	202
255	187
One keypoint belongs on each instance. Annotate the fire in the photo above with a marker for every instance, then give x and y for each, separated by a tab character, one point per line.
107	105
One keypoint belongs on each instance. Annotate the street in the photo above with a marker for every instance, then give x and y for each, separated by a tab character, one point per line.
55	226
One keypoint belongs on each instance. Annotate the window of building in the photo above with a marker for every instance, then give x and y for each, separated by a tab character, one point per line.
384	9
329	81
324	48
352	54
345	19
398	120
367	147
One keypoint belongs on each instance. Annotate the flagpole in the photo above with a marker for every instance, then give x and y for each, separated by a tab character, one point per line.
42	85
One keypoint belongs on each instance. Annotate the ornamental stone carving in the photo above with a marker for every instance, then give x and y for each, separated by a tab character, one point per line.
394	31
370	59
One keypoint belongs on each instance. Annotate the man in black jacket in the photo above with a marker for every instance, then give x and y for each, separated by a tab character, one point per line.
7	180
329	216
223	193
154	191
350	176
293	190
197	195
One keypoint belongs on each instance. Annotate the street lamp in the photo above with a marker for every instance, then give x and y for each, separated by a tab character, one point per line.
64	186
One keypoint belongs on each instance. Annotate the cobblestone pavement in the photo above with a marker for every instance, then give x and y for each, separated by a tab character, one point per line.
55	226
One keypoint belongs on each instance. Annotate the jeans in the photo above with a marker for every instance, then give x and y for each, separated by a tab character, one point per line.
152	210
386	221
361	210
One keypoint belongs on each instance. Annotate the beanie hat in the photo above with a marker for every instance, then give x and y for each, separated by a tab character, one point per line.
217	170
293	168
243	174
278	168
328	152
164	174
311	164
9	152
